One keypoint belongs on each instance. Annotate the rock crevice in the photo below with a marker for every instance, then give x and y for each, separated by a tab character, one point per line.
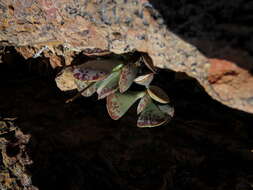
179	36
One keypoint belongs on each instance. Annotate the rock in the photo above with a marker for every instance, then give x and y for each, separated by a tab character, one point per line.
14	157
231	83
176	36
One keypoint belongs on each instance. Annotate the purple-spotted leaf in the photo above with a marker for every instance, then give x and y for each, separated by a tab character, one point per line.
95	70
109	85
144	80
127	76
168	109
148	62
158	94
89	75
144	102
117	104
152	116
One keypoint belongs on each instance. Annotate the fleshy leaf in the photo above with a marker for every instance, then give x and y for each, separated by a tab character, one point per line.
82	85
117	104
127	75
88	75
65	80
148	62
168	109
109	85
103	65
158	94
144	102
144	79
118	67
95	70
152	116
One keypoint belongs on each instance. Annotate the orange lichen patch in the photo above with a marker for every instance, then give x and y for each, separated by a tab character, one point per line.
221	69
230	81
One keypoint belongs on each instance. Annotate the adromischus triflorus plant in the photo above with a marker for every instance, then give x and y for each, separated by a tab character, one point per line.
112	79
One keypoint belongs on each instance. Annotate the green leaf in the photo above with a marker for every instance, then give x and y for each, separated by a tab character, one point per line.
144	80
168	109
109	85
158	94
95	70
118	67
144	102
83	84
117	104
128	74
152	116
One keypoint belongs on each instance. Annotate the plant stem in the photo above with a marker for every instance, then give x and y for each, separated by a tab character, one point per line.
79	93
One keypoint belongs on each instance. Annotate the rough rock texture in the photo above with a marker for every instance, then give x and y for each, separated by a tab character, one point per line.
14	157
208	40
77	146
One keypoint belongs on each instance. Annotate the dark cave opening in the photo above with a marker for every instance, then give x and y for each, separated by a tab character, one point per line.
77	146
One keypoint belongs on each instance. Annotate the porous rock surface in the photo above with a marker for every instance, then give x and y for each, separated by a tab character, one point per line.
208	40
14	158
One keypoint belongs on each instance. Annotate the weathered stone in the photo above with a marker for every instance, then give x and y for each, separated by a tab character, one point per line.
65	26
14	157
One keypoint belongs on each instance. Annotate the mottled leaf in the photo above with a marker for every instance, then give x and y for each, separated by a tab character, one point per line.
94	70
65	79
148	62
117	104
127	75
103	65
83	84
89	75
144	79
168	109
109	85
152	116
144	102
158	94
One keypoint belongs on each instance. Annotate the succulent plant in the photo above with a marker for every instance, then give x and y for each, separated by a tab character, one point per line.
112	80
